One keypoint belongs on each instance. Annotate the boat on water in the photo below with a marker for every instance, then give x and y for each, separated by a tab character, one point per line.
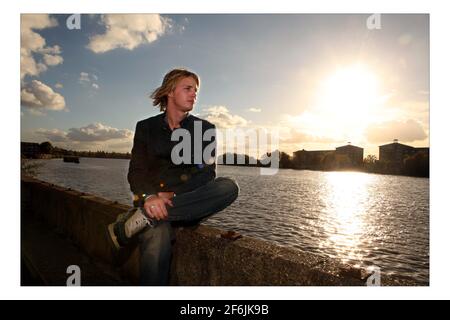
71	159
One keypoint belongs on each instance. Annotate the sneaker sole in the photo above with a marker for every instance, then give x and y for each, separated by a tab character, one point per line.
112	237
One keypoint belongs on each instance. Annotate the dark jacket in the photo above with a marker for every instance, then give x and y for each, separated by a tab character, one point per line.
151	169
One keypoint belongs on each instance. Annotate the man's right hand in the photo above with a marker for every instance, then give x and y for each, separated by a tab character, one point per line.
155	207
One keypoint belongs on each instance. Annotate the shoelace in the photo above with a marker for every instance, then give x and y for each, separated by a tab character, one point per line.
136	223
148	221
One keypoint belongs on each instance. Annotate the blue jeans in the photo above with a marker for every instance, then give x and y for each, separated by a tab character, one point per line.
155	244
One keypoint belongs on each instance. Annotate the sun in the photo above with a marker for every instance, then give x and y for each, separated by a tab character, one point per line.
348	96
350	91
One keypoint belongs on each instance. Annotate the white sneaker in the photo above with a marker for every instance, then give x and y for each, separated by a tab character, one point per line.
127	225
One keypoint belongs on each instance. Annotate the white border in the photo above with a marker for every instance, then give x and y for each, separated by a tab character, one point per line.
10	188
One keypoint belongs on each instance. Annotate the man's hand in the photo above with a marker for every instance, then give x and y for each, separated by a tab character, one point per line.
167	195
155	206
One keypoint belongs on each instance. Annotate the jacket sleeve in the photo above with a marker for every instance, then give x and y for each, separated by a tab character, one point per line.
140	176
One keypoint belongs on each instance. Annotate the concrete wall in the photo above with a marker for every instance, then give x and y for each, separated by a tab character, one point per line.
201	255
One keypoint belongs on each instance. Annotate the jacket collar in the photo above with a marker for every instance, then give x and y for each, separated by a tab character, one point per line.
183	122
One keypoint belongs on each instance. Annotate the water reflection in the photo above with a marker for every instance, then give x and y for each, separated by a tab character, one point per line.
346	214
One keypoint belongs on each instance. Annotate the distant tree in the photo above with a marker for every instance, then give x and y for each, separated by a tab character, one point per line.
370	159
236	159
285	160
370	163
45	147
417	165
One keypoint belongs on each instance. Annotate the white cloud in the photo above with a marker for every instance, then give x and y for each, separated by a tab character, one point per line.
51	60
96	136
59	85
222	118
98	132
51	50
35	112
53	135
33	45
40	96
418	110
88	80
297	136
310	123
84	77
407	131
128	31
254	110
123	146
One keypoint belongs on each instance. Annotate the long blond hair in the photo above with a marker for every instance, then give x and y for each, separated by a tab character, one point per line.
169	83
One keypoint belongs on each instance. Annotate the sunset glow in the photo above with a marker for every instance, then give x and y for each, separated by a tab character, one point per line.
348	97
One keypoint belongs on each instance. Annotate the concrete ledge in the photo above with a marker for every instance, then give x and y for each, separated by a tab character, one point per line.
201	255
47	255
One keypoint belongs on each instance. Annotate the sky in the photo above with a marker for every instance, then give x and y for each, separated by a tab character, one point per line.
321	80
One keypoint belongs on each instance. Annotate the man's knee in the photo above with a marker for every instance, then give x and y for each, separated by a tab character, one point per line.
229	186
158	236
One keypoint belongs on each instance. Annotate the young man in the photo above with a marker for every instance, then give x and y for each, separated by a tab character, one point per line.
166	191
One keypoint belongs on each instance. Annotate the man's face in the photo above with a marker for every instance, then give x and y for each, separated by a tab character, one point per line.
184	95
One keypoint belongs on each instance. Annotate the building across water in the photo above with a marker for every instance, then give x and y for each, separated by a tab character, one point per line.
396	152
347	156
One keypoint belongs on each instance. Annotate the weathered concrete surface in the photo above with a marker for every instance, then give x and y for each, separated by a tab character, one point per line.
201	255
46	256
